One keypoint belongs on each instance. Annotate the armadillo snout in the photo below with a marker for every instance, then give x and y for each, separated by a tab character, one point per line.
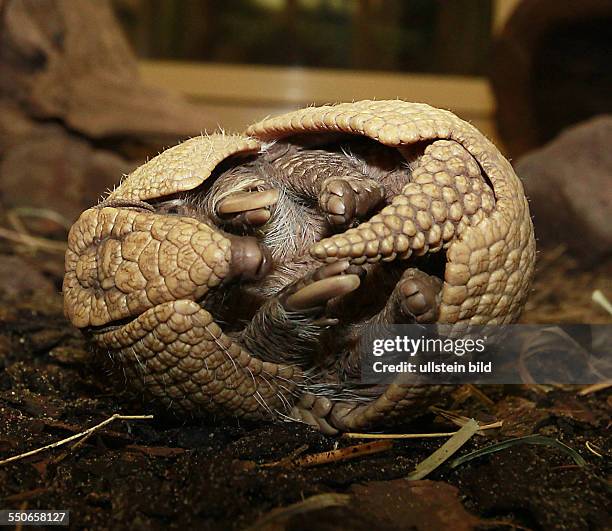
250	260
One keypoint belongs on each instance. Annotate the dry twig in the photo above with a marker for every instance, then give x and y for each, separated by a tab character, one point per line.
85	433
287	460
343	454
591	448
33	241
602	300
350	435
594	388
14	216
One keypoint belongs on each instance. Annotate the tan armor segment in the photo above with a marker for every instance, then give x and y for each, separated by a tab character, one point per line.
182	167
121	262
178	354
463	199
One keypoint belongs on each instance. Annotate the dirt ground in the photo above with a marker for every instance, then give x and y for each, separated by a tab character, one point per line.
187	474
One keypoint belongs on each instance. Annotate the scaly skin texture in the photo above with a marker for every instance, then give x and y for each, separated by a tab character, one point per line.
121	262
490	263
156	271
446	194
190	363
182	167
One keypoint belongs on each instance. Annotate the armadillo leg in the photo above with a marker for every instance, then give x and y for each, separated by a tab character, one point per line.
397	400
177	353
415	299
446	192
392	402
242	198
341	184
287	328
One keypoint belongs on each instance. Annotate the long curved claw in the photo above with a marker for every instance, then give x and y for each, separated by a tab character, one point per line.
419	296
446	194
320	286
313	410
416	298
247	208
299	314
241	201
321	291
396	397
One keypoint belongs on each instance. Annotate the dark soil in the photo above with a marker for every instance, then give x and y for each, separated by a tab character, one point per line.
172	473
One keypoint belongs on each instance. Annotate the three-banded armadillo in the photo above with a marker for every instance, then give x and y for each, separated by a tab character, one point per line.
148	268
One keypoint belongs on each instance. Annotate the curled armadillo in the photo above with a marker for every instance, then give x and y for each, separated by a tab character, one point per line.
234	228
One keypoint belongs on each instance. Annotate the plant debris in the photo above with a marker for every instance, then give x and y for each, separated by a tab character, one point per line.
83	436
451	446
343	454
230	473
527	439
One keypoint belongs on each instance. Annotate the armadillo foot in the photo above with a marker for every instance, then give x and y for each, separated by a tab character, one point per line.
347	199
297	316
418	296
315	289
313	410
243	209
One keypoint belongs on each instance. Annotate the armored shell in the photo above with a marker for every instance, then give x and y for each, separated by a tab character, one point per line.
143	272
490	265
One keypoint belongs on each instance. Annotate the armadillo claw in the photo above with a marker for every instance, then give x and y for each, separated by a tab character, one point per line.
332	417
313	410
252	208
391	405
318	293
346	199
446	194
418	296
320	286
135	263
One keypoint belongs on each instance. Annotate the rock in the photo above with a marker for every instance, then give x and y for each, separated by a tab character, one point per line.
74	114
549	70
48	166
569	184
68	61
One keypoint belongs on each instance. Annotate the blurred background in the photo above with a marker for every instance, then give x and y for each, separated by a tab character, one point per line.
90	90
244	59
247	58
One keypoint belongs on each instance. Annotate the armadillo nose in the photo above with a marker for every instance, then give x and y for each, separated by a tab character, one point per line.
251	260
